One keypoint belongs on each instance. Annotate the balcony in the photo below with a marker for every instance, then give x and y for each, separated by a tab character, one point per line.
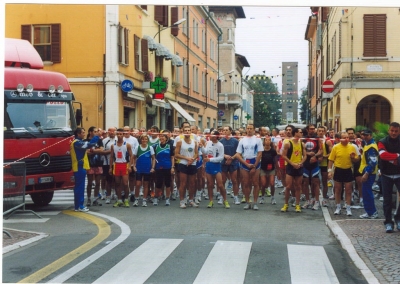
230	100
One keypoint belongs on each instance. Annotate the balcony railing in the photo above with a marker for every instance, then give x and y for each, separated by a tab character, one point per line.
230	99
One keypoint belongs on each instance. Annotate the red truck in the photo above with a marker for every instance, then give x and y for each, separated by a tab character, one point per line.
39	120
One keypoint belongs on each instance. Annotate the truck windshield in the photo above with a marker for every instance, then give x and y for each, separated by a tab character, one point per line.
37	116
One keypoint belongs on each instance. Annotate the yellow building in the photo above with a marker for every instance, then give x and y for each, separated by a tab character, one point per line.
358	50
88	51
313	56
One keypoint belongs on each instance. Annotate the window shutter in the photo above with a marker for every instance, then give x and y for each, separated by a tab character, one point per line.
380	35
145	55
126	39
136	51
174	19
375	35
26	32
119	45
325	12
161	15
56	43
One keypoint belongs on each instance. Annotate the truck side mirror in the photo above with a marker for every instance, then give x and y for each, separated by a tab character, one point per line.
78	116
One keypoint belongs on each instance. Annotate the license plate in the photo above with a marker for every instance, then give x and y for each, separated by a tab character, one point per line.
45	179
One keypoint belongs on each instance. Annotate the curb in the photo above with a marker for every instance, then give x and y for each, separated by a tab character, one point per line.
24	242
348	246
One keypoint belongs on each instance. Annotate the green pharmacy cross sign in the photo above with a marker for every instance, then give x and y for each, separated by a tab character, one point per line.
158	85
248	116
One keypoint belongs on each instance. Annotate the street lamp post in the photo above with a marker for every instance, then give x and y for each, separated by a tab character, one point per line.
219	89
173	25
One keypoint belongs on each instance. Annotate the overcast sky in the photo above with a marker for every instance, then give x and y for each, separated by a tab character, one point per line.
269	36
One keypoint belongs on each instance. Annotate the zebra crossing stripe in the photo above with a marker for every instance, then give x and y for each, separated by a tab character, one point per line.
28	220
306	267
138	262
218	265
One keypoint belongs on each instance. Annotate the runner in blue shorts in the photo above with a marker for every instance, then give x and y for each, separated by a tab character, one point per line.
213	155
249	153
230	165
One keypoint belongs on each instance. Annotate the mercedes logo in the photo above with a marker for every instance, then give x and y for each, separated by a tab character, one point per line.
44	159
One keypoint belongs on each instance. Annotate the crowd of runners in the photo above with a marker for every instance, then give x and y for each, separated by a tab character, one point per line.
138	167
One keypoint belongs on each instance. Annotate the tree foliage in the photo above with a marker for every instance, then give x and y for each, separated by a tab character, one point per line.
380	130
267	107
304	107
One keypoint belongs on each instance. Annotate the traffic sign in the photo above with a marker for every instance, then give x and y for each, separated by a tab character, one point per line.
127	86
221	113
235	117
328	86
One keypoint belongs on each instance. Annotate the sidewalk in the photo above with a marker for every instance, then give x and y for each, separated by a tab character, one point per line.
375	252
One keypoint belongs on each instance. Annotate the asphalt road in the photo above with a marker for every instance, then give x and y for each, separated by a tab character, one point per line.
225	245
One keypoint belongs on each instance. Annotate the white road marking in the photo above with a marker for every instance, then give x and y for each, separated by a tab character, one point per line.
310	264
34	219
47	213
226	263
142	262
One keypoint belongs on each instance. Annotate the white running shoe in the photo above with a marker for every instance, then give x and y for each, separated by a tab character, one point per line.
182	204
316	205
348	211
338	209
273	201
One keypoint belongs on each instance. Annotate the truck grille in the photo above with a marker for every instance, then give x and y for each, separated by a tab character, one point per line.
57	164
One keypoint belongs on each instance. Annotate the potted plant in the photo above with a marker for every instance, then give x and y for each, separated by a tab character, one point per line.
148	76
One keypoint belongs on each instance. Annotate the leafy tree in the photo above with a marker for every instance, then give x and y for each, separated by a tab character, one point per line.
267	103
304	107
380	130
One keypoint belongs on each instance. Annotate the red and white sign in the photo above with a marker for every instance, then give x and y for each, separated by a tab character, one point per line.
328	86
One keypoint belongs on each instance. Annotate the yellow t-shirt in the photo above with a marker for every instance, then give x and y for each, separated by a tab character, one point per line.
340	155
324	162
297	153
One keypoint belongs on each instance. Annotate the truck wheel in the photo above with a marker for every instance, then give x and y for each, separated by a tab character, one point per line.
42	198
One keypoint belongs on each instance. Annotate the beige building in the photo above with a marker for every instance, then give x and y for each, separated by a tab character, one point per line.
196	44
233	106
357	48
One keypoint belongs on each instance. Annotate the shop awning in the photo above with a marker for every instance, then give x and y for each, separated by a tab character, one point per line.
176	61
159	103
183	112
137	95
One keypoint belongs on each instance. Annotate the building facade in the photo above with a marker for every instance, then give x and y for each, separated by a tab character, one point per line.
356	48
290	91
128	45
231	64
